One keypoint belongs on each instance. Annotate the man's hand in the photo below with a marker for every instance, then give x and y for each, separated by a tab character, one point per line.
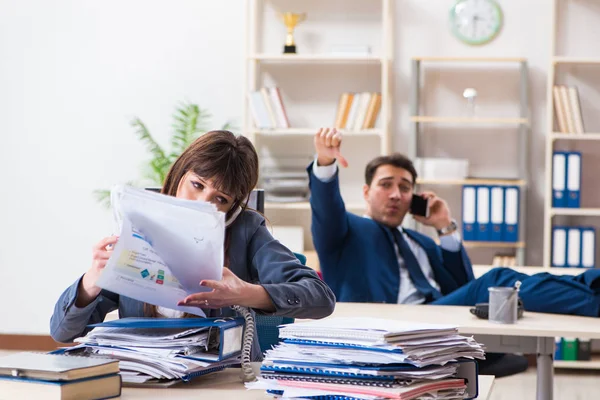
439	213
327	144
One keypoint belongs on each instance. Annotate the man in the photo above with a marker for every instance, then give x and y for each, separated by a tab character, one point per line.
373	259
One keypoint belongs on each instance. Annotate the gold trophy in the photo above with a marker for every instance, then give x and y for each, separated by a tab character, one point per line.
290	20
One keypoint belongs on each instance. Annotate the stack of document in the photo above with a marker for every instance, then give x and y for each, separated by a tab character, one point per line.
166	247
164	351
366	358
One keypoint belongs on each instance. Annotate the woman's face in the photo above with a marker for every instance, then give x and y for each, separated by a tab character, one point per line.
194	187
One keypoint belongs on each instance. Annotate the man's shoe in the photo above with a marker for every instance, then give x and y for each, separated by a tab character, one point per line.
500	364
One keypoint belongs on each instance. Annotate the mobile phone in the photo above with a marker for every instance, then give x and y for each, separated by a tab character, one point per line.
419	206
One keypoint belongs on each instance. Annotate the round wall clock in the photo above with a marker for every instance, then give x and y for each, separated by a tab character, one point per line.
476	21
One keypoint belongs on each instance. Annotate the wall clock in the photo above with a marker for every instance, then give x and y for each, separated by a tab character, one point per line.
476	22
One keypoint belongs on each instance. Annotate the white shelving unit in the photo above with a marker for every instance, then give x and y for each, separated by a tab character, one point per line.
568	140
520	123
565	139
262	58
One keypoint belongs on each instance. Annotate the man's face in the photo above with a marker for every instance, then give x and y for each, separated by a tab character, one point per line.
388	198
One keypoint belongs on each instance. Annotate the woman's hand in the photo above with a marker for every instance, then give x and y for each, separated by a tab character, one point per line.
101	252
229	291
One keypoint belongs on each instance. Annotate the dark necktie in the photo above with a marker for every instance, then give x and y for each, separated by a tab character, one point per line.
414	269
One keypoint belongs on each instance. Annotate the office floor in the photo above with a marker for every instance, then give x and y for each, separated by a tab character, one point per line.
569	385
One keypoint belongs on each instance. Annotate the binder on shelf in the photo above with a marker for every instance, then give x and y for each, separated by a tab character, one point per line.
573	247
483	214
558	348
559	246
584	350
468	212
569	349
497	214
573	179
588	247
559	179
511	214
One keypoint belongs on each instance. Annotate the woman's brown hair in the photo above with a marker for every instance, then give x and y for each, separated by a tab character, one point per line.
228	160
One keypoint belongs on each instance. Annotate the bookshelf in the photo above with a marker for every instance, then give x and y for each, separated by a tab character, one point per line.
519	122
311	83
559	135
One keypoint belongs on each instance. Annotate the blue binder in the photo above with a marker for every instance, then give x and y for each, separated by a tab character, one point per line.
230	331
573	185
559	179
511	213
559	246
469	209
484	225
588	247
497	213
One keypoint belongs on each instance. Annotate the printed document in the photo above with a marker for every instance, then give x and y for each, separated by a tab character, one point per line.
166	247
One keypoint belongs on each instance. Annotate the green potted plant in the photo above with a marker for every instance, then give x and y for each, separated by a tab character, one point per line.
189	122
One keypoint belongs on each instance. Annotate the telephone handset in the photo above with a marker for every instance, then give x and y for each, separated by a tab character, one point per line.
233	216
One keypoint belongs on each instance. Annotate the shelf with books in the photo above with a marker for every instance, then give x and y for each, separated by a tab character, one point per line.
286	95
494	219
317	58
468	120
581	212
569	97
473	181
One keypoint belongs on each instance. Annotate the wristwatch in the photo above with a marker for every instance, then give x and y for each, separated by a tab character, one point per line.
450	228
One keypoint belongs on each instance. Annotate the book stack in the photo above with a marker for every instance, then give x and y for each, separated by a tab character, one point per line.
365	358
52	376
568	109
358	111
162	352
267	109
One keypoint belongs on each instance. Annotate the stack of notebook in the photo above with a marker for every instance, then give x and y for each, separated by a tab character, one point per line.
164	351
53	376
367	358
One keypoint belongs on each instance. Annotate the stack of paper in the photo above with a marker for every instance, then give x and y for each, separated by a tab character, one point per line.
370	358
164	351
166	247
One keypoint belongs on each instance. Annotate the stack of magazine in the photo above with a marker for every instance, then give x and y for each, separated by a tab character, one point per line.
164	351
367	358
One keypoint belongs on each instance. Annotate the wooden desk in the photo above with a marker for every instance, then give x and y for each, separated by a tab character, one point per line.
533	334
228	385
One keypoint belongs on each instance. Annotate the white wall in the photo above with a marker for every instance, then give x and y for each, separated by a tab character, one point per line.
73	73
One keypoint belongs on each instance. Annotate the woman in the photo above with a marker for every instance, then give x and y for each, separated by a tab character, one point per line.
260	272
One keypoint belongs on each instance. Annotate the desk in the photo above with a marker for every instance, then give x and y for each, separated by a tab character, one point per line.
227	385
533	334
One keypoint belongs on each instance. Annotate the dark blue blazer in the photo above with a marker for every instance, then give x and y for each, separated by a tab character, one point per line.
357	255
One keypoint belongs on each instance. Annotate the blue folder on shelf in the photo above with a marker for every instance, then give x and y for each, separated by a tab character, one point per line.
469	202
559	179
230	331
511	213
573	179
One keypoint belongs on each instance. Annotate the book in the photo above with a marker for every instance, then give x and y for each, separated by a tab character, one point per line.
55	367
103	387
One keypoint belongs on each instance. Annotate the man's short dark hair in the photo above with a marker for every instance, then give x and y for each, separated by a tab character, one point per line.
397	160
